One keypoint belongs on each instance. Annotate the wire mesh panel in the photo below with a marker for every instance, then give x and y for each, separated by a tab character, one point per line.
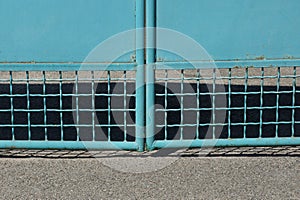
226	105
74	107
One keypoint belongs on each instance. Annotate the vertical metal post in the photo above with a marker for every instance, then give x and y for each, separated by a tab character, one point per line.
124	105
45	105
245	103
11	105
61	107
262	74
140	80
294	100
109	106
277	102
93	105
28	105
229	103
150	75
77	106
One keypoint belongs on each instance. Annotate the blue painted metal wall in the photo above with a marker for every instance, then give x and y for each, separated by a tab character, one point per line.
60	30
235	29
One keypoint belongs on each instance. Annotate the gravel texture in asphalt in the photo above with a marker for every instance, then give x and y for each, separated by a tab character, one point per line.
244	176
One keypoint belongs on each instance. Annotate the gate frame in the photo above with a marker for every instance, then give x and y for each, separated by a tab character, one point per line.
152	64
137	66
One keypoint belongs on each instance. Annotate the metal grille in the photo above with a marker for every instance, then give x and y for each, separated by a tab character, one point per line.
74	107
45	106
230	106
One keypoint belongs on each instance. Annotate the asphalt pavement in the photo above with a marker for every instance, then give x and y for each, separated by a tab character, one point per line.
222	174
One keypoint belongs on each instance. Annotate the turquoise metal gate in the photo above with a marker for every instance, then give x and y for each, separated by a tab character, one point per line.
245	94
51	96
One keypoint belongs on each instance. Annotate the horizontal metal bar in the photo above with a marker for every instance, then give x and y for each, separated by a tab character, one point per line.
80	80
17	144
157	79
67	95
229	108
133	125
227	64
225	93
226	78
291	141
63	125
100	95
67	66
226	124
157	94
68	110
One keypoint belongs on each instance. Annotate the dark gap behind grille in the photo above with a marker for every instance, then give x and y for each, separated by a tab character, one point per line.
237	115
53	121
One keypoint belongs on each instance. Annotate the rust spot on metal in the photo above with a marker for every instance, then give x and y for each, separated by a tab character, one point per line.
260	57
159	59
289	57
133	58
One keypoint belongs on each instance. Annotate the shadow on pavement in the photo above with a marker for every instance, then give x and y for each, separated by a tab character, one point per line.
283	151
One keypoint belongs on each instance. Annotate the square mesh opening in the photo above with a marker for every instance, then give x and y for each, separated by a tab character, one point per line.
227	103
67	106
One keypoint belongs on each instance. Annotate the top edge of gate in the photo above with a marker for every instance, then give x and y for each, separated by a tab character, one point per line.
32	66
227	64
